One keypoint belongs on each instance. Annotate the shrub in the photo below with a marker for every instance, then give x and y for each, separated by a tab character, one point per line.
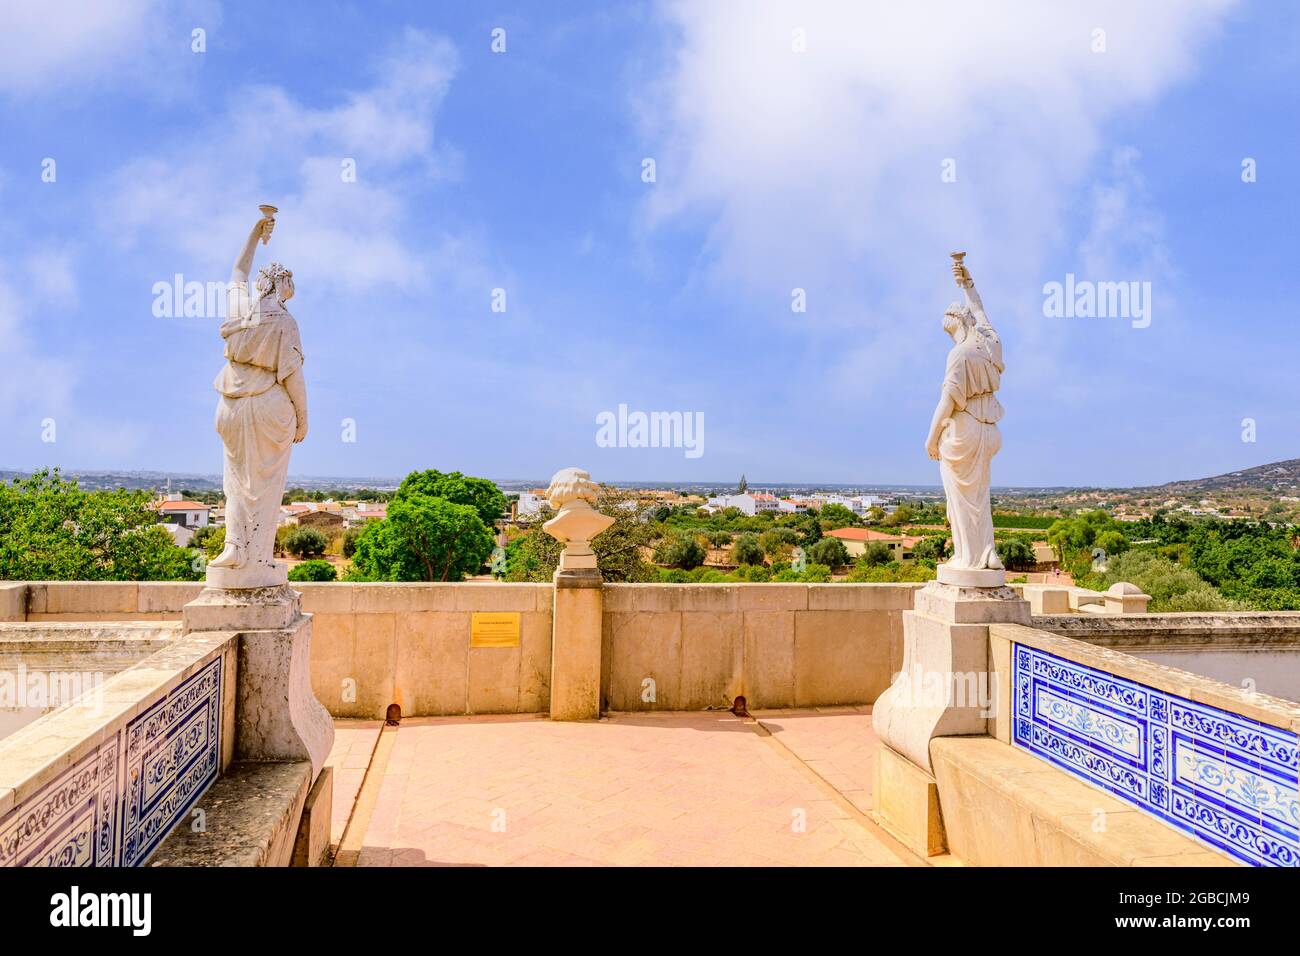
779	542
1018	555
680	551
830	552
349	544
753	573
889	573
313	570
306	542
747	550
1172	587
875	554
816	573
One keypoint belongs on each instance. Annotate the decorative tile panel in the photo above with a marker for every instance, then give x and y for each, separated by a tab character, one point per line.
119	802
71	821
1224	779
173	753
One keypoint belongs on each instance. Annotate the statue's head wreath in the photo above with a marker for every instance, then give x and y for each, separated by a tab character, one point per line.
268	275
957	316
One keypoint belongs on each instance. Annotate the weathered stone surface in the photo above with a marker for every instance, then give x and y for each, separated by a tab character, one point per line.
278	717
249	817
944	687
218	609
906	802
312	846
1003	807
575	651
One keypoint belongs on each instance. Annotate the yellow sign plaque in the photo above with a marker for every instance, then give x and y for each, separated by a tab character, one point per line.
495	629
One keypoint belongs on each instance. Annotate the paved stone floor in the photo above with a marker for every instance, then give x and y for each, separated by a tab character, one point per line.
354	743
705	789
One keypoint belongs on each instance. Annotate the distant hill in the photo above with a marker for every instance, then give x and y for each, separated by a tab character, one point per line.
1278	476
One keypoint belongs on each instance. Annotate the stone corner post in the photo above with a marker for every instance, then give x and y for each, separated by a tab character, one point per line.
277	717
945	689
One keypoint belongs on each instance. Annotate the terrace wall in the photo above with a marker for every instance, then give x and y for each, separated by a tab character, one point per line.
665	646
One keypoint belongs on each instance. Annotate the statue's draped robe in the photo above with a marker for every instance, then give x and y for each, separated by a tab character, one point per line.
257	422
968	443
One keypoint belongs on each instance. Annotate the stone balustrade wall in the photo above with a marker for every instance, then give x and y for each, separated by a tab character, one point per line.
665	646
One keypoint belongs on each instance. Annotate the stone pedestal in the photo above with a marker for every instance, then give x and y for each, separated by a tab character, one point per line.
576	645
277	717
945	689
945	686
969	578
258	574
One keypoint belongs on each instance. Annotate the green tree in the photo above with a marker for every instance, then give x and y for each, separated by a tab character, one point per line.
834	516
718	538
680	551
830	552
901	516
52	529
1016	554
747	550
812	531
1172	587
932	548
479	493
306	542
877	552
423	538
620	549
779	542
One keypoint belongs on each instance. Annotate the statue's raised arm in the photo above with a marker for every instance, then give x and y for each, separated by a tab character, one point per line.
238	303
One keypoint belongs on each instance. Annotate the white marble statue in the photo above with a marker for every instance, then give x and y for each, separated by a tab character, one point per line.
261	413
964	436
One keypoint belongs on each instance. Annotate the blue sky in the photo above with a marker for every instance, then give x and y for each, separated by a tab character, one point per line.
776	169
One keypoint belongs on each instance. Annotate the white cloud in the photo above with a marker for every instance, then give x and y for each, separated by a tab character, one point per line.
48	48
34	385
197	201
822	169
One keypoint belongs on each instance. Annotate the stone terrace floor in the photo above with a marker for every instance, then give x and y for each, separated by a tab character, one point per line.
782	788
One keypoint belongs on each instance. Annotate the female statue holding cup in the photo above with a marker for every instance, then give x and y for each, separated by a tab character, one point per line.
261	414
964	437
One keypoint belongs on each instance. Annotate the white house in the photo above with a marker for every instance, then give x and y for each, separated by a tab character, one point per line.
174	509
748	503
530	504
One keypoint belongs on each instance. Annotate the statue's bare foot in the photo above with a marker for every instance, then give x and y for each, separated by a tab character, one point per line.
228	558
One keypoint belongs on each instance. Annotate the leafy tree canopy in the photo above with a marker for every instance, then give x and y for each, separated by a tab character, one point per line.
479	493
53	530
